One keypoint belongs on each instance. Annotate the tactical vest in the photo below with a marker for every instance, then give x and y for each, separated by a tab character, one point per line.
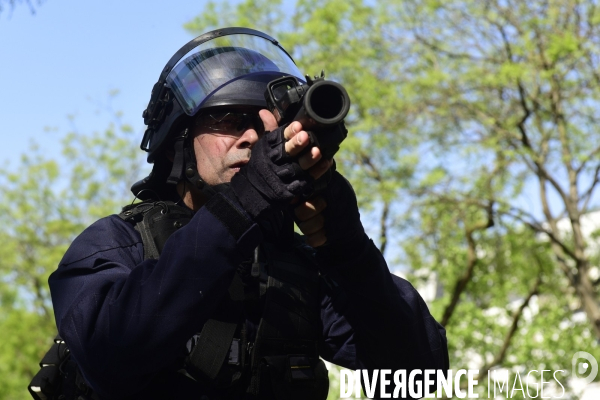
278	286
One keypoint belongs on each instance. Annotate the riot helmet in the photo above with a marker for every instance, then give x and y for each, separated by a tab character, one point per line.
224	67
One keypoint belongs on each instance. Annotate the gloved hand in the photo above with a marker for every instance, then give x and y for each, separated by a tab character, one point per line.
331	223
272	178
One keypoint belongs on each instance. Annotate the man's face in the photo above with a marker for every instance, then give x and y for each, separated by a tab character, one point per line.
223	138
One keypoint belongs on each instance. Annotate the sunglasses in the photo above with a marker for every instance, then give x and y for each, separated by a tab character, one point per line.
231	122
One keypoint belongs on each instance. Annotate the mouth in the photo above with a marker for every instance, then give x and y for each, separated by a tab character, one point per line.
236	167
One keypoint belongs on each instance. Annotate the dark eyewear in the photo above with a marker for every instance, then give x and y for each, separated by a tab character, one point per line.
231	122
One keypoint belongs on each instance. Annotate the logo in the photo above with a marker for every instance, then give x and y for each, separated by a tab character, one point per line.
582	368
461	383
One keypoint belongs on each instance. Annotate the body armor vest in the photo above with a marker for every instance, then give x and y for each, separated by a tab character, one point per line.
279	287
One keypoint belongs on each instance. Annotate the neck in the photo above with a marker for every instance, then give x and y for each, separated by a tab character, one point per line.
192	197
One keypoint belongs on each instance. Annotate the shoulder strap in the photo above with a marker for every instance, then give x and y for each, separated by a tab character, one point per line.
156	221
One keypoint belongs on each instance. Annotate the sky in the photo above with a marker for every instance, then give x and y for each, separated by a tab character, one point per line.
68	57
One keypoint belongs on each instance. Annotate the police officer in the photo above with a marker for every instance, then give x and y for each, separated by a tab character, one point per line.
203	291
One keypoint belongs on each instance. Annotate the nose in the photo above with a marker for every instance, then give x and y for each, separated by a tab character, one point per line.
247	139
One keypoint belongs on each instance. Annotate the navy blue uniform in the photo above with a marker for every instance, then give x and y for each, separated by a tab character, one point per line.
126	320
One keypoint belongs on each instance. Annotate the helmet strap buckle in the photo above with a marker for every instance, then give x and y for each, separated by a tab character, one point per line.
185	166
179	158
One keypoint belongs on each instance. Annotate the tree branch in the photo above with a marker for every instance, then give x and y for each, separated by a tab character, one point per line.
383	226
365	159
499	358
472	260
434	47
591	156
587	196
536	227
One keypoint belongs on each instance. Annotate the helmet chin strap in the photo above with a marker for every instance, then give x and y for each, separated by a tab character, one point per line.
185	166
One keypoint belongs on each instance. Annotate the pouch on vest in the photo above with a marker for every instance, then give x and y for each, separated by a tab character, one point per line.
285	358
293	377
156	222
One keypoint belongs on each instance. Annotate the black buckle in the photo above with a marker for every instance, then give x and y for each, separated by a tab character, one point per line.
234	352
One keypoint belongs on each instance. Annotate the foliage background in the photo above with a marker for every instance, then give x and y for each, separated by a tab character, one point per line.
473	150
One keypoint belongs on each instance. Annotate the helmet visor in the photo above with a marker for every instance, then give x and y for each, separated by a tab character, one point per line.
217	62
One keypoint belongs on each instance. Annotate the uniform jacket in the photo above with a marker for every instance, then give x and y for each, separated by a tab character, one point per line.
126	320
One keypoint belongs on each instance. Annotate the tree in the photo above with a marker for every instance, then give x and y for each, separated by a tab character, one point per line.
523	95
12	4
45	204
459	108
512	88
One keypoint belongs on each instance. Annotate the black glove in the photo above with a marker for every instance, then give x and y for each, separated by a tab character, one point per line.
271	179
